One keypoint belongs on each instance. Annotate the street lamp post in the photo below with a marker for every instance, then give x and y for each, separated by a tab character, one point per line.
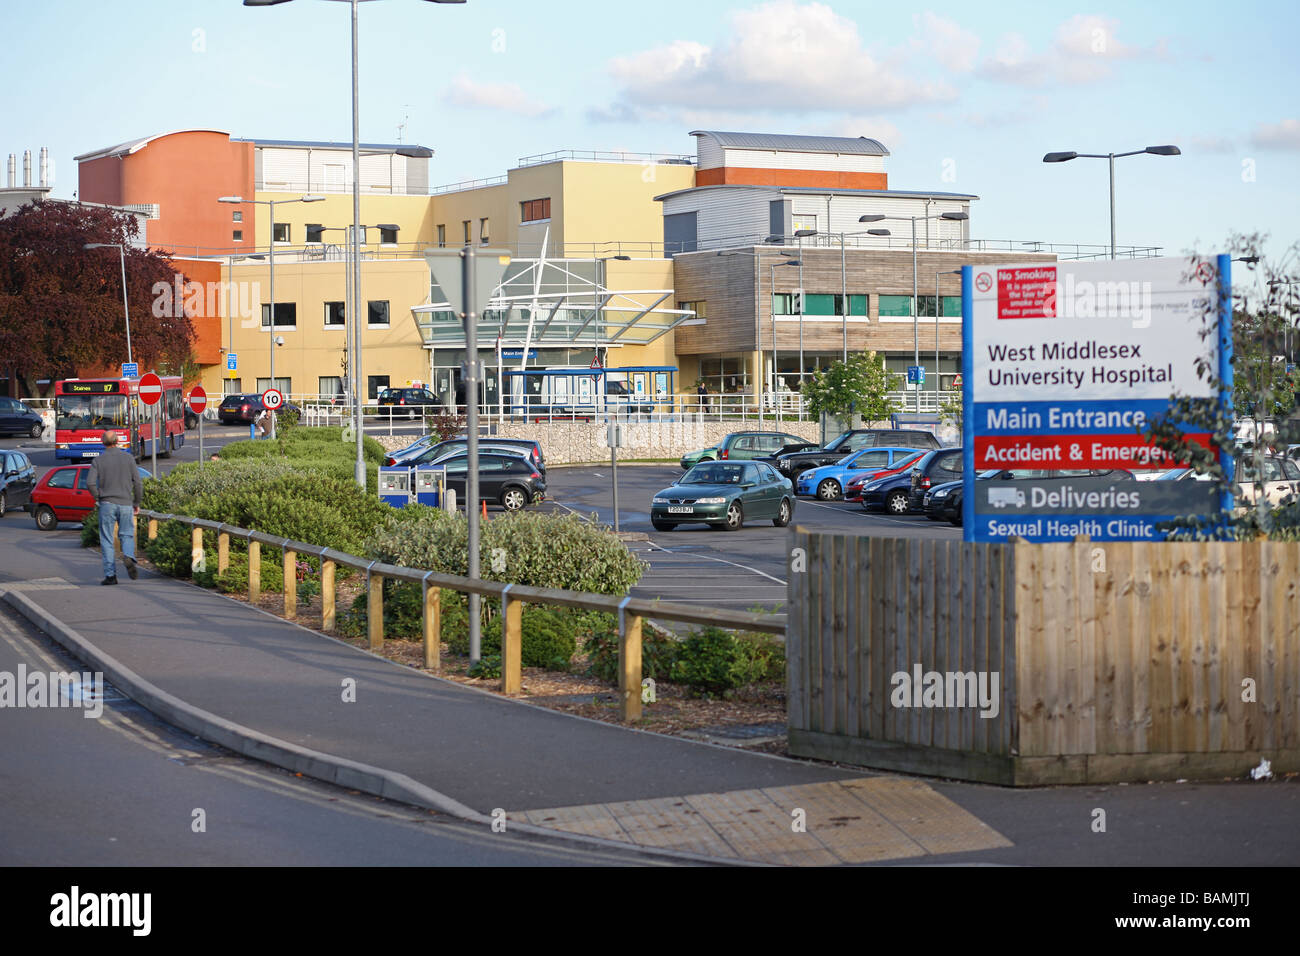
799	234
126	311
844	283
758	279
776	396
938	310
271	203
916	328
360	471
1111	157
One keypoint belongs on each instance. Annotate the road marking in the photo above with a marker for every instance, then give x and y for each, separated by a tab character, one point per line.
709	557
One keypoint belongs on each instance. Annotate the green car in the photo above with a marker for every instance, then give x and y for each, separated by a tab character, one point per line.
722	494
742	446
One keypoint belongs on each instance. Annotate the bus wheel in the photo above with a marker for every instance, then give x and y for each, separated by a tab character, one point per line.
167	448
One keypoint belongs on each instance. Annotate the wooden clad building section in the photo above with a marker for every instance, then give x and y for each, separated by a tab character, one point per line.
1113	661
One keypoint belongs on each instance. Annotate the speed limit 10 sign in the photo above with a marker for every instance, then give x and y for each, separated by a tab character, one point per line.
272	398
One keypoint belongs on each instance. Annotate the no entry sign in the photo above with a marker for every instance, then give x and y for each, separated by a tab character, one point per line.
198	399
150	388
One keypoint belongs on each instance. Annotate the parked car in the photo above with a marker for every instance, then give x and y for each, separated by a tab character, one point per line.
17	479
510	480
429	453
740	446
890	493
416	401
792	464
828	482
61	495
938	467
722	494
241	409
944	502
17	419
853	488
424	441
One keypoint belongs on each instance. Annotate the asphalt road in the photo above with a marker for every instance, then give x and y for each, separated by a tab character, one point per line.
125	789
742	570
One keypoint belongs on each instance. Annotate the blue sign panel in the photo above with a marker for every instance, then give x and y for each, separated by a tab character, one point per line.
916	375
516	354
232	363
130	369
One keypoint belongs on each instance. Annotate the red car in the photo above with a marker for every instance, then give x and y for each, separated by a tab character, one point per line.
61	495
853	490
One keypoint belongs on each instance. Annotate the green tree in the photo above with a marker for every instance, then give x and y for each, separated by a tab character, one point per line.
859	386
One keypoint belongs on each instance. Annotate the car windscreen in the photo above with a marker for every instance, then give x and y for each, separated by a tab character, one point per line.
713	473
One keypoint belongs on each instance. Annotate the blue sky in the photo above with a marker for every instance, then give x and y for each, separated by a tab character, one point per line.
966	97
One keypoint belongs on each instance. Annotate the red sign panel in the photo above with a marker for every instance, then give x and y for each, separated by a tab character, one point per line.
1027	293
150	388
1037	452
198	399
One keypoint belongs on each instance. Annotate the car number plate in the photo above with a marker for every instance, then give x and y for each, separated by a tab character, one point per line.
680	510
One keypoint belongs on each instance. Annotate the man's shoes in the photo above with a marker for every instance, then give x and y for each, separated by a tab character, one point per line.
111	579
130	568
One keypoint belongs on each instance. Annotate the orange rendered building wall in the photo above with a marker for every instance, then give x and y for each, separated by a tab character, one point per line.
799	178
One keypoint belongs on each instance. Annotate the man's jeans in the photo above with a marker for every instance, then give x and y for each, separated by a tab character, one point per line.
109	515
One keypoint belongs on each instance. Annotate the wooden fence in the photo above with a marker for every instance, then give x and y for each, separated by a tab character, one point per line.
629	611
1113	660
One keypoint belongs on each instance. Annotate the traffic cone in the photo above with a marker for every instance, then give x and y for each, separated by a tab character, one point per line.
484	504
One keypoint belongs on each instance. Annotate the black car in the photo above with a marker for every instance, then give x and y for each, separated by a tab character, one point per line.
17	419
937	468
414	401
791	464
242	409
413	456
889	494
509	480
17	479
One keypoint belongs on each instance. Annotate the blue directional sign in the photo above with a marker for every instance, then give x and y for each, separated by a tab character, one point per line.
130	369
916	375
232	363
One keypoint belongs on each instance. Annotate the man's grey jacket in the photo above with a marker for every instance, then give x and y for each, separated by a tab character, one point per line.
115	478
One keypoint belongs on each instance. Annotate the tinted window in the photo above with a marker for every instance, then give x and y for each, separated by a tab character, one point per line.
946	468
1290	469
743	444
63	478
872	459
751	475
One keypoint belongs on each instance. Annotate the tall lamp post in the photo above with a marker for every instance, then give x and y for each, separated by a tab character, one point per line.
844	283
800	234
272	203
1111	157
938	310
360	471
916	329
756	256
126	311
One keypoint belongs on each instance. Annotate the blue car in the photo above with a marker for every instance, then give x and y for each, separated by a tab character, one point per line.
828	481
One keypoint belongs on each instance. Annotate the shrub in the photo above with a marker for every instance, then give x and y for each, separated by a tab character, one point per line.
658	653
714	661
488	667
547	638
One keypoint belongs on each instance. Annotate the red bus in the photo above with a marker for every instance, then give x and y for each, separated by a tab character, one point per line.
85	407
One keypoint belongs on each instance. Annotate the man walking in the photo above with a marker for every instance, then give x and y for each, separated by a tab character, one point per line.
114	482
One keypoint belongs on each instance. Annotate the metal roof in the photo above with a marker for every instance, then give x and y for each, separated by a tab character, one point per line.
406	149
805	144
132	145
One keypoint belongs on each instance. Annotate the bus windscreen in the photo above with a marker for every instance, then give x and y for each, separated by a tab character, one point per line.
77	412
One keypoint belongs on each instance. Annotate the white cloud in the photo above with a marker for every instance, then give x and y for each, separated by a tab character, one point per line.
1209	144
872	127
939	39
1085	49
781	55
505	97
1283	135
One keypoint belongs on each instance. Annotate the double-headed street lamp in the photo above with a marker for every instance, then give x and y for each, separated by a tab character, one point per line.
916	340
272	203
938	310
360	471
126	311
1153	150
772	302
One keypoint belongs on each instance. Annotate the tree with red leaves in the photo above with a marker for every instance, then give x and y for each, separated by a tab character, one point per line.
61	304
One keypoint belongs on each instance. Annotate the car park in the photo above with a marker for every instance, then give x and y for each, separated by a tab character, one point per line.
17	419
62	495
740	446
17	479
723	494
792	464
828	482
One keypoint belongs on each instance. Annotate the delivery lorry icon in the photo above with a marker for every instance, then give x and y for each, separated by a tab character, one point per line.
1002	497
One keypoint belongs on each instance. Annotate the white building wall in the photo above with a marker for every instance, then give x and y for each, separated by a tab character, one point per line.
788	159
725	214
317	169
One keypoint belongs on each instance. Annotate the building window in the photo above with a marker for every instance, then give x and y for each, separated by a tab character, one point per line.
285	385
483	231
951	305
387	235
237	216
535	210
232	386
329	386
699	307
785	303
286	315
895	305
237	235
465	224
280	232
800	221
376	384
377	313
315	232
335	317
442	235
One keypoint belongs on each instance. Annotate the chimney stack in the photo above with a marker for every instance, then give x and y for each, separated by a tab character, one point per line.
13	171
27	168
45	167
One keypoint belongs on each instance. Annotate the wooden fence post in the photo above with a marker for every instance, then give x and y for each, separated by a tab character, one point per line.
153	528
196	550
511	642
629	664
290	584
254	571
326	595
432	627
223	552
375	612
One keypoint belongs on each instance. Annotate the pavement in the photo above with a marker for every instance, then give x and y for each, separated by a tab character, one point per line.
244	679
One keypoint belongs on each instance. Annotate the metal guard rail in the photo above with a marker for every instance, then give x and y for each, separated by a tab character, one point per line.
629	610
